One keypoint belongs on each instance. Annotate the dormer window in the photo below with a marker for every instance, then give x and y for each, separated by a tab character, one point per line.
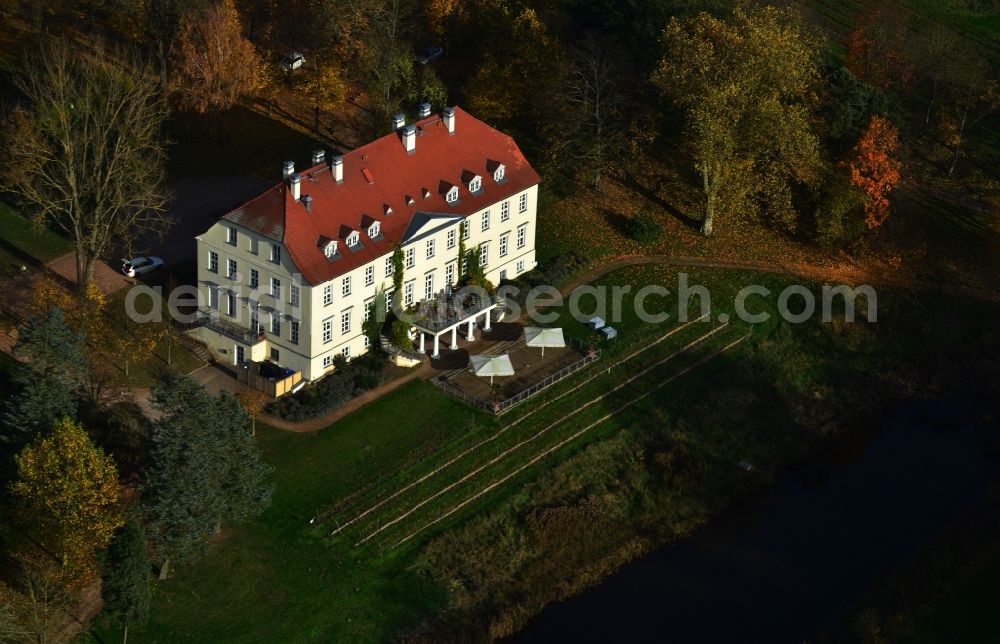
452	195
375	230
330	249
498	174
475	184
496	169
353	239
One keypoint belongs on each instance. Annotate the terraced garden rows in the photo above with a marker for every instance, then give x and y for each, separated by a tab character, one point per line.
399	507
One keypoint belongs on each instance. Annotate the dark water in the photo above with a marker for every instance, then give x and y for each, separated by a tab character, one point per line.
788	563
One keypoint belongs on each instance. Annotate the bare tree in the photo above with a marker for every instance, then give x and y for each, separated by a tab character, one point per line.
975	94
86	153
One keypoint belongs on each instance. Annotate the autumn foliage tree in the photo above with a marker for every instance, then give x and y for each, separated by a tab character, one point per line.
66	501
875	170
877	49
213	64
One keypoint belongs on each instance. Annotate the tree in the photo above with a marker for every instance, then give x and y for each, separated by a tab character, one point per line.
125	582
397	278
205	469
48	381
252	401
86	153
874	170
877	50
746	88
973	94
214	65
39	601
936	59
65	500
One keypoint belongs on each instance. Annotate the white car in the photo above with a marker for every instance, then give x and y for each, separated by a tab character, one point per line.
293	61
141	265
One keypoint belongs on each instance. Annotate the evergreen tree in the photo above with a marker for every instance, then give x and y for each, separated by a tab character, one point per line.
125	582
47	383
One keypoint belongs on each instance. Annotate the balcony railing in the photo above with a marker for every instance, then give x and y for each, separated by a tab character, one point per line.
444	311
230	329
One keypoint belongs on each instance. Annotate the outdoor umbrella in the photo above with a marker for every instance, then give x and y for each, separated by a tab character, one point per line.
492	366
535	336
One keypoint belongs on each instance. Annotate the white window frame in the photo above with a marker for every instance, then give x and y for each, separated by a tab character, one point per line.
327	294
475	184
498	174
430	249
375	229
505	210
408	294
213	261
449	274
450	239
293	334
254	278
213	297
353	239
276	324
522	202
231	303
293	295
484	254
369	275
522	235
503	244
327	362
275	254
345	321
466	229
388	266
429	285
232	236
232	269
452	195
346	352
328	330
520	266
276	288
486	221
369	309
411	258
345	286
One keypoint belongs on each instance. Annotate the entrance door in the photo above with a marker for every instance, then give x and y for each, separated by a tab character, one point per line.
240	354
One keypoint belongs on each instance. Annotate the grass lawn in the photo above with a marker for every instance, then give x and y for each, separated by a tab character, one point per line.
282	579
21	242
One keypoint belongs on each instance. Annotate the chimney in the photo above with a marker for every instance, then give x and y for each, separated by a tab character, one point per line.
425	110
449	119
337	166
318	156
288	169
307	202
294	182
410	139
398	121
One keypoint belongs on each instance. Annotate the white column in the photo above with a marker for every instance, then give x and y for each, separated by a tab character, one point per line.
454	338
421	341
468	334
437	352
486	325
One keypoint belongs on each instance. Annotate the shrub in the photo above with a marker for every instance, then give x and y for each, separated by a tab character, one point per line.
644	228
346	381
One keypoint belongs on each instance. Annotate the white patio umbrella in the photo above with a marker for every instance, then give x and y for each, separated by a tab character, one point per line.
535	336
491	366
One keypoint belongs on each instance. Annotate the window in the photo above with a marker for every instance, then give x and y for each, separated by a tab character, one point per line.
503	275
465	265
388	266
475	184
503	244
213	297
505	211
451	238
253	246
295	331
428	286
375	229
330	249
498	174
452	195
328	295
345	322
275	253
369	275
449	275
345	286
465	229
408	295
276	288
327	362
369	309
520	266
231	303
231	236
231	269
410	259
346	352
430	248
293	296
353	239
327	330
486	220
388	300
484	254
255	320
522	202
274	354
276	324
366	341
254	278
522	233
213	261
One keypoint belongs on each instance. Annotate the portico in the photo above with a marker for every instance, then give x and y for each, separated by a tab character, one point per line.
437	318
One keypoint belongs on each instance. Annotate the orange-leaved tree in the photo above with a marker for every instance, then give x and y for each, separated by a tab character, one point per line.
874	168
66	501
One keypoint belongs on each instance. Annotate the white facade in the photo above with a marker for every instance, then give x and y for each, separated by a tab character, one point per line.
305	326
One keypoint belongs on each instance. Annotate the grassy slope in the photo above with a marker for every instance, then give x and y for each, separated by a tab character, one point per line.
19	238
278	578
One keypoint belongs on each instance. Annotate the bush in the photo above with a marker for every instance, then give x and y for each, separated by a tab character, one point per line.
644	228
400	334
346	381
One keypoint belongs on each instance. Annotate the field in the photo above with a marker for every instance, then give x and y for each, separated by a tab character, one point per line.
23	243
351	548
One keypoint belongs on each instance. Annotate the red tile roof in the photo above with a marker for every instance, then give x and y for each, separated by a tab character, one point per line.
382	174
